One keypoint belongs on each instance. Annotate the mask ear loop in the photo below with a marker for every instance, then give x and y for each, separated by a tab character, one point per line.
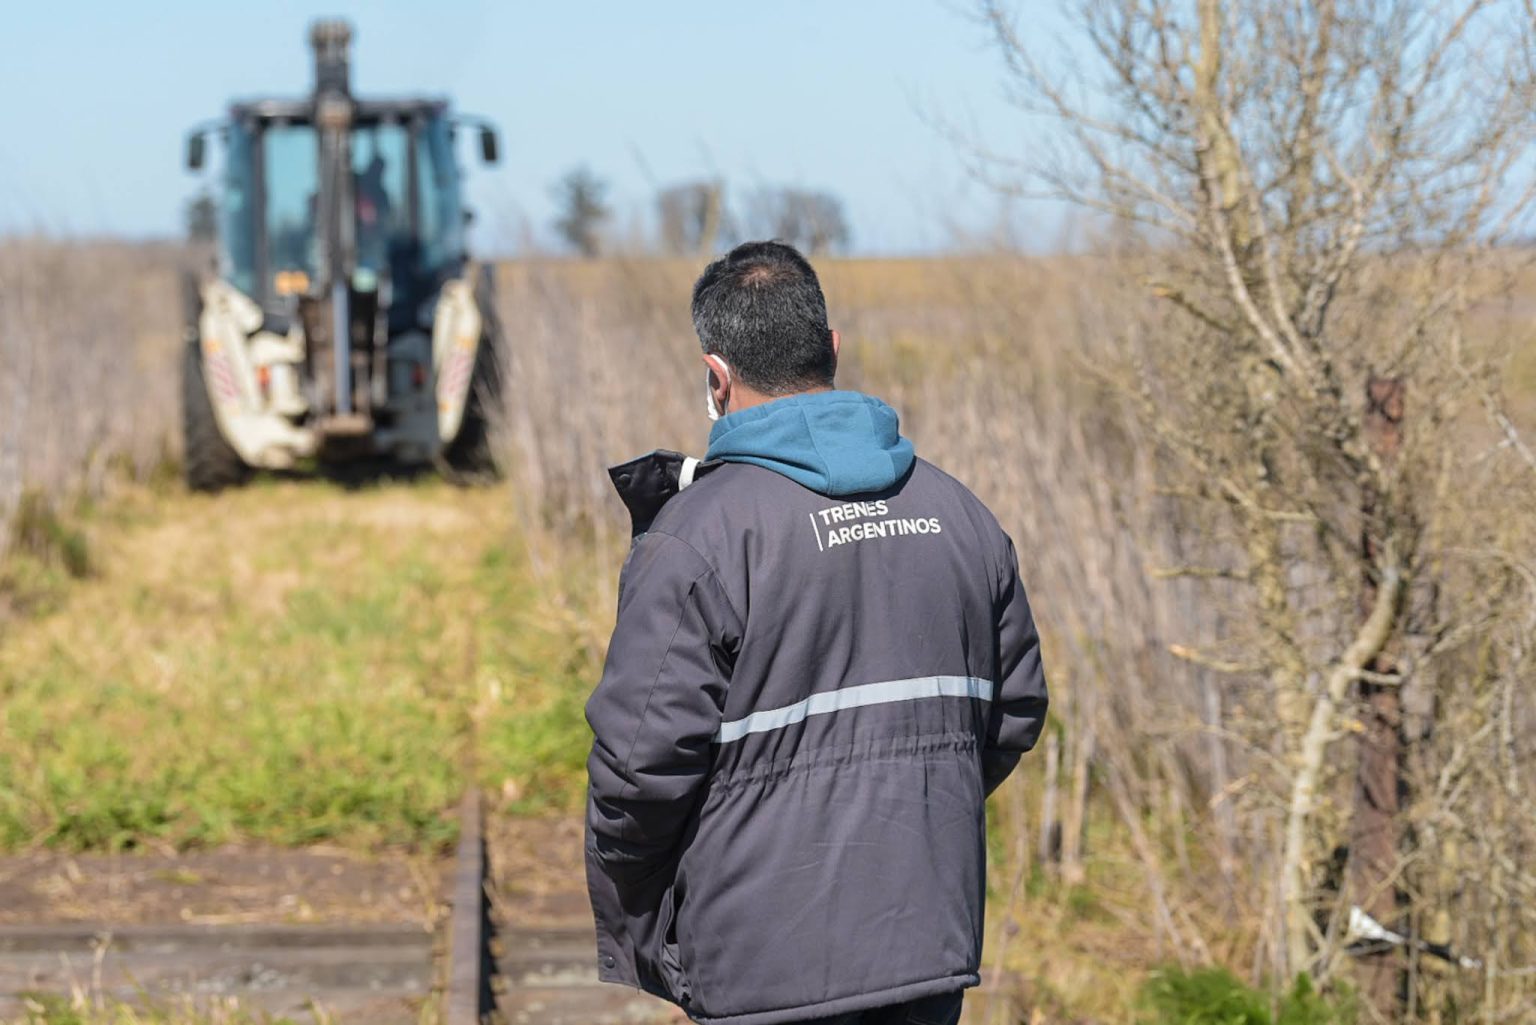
719	366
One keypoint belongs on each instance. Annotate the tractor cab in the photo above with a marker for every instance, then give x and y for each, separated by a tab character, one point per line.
343	288
399	204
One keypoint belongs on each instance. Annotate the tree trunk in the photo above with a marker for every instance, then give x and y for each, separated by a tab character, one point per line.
1370	639
1379	778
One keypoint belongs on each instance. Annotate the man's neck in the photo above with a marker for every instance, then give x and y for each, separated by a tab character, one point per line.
745	397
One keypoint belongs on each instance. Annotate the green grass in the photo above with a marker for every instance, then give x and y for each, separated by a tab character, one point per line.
536	668
46	553
291	663
1214	996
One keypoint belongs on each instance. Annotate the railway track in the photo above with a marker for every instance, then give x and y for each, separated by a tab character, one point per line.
505	953
472	966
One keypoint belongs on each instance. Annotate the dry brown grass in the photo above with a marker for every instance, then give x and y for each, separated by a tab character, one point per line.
88	377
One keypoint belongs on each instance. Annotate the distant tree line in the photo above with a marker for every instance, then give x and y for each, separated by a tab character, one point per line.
694	217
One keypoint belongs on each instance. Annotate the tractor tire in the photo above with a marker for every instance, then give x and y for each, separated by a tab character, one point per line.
471	457
209	462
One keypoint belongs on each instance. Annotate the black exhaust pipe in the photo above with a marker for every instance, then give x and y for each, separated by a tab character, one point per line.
332	41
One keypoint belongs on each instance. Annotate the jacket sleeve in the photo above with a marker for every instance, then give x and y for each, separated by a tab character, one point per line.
1019	700
655	713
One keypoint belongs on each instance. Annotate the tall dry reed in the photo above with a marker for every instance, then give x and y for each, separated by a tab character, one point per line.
88	376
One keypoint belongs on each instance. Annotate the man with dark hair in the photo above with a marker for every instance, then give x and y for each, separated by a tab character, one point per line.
824	661
761	309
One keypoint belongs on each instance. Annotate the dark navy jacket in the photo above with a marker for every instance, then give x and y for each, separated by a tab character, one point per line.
824	661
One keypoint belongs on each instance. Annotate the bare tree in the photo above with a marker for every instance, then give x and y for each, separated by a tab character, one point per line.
692	216
581	198
810	220
1320	193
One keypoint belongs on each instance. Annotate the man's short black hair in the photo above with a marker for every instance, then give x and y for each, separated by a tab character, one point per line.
760	308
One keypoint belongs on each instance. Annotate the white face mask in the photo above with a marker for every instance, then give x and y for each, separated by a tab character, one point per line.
710	405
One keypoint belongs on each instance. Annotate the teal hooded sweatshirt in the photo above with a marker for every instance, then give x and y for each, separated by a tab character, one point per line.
836	443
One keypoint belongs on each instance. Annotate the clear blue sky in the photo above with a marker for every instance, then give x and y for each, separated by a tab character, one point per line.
96	97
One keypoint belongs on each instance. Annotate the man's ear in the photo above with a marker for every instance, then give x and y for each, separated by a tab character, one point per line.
837	343
719	379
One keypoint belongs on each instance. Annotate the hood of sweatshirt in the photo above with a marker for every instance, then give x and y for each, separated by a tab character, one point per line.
836	443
